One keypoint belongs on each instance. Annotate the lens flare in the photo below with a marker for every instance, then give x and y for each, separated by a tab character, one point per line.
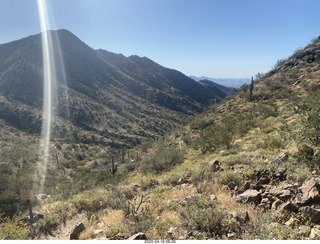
50	49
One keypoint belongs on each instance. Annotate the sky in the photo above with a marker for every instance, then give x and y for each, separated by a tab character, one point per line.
213	38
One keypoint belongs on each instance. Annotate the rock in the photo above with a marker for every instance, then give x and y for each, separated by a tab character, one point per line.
290	222
275	205
215	166
309	189
42	196
232	185
284	195
183	203
138	236
242	217
249	196
246	185
291	207
265	201
304	230
75	234
264	180
213	197
310	213
38	216
232	235
171	230
315	233
280	175
97	233
303	201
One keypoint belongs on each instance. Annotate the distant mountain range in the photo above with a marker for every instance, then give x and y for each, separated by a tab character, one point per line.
236	83
101	97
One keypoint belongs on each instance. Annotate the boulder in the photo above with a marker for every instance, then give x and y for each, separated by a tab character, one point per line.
232	185
138	236
264	180
304	230
276	204
284	195
315	233
215	166
78	229
265	204
303	201
246	185
310	213
309	189
242	217
249	196
280	175
291	207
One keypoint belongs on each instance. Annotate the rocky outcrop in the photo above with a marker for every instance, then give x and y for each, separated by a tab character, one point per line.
75	233
249	196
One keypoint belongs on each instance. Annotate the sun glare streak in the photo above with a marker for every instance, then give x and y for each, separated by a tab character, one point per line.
48	80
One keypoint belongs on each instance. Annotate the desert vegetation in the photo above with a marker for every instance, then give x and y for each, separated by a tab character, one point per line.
242	169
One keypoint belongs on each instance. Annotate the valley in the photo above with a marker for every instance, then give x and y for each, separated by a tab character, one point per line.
193	162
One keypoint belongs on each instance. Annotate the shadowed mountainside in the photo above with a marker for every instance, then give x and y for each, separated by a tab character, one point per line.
101	97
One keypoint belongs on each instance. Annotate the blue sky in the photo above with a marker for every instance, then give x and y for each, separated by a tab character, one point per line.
215	38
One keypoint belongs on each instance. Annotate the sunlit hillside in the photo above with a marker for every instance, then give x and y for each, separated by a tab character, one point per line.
246	168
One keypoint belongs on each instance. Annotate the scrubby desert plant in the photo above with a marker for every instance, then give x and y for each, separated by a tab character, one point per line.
11	229
202	214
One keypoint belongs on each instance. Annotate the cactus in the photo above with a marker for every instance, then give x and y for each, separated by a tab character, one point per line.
114	168
123	154
251	89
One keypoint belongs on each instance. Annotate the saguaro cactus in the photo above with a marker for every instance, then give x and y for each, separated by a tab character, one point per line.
114	168
251	89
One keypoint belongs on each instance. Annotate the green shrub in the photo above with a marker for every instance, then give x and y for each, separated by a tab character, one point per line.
11	229
163	158
47	224
216	136
202	215
225	177
305	152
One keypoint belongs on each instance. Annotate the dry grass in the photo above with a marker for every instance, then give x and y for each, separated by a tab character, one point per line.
114	217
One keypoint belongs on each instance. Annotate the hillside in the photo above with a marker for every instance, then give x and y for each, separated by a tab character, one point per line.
101	97
104	103
242	169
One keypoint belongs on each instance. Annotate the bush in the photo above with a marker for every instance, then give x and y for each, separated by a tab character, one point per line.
47	224
312	106
216	136
10	229
305	152
164	157
202	215
225	177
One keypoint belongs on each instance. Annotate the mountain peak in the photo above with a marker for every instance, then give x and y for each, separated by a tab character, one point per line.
105	91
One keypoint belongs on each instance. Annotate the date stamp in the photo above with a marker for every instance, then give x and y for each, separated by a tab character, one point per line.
160	241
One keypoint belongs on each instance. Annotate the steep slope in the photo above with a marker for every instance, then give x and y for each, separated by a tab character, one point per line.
240	170
99	94
251	166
